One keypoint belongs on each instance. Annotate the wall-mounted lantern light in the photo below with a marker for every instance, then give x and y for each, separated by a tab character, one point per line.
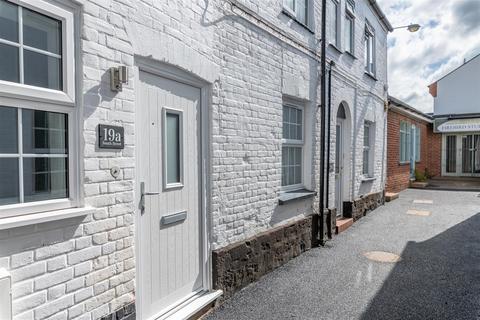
118	76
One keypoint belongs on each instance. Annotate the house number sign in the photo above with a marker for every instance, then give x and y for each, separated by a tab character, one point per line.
110	137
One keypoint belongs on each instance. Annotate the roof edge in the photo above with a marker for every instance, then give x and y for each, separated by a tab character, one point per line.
452	71
403	105
381	15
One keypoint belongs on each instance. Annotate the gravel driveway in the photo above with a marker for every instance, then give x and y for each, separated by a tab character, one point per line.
438	276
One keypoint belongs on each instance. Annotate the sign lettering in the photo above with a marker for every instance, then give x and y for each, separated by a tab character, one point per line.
110	137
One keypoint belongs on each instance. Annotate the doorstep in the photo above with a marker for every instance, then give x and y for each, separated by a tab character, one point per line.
343	224
192	308
390	196
418	185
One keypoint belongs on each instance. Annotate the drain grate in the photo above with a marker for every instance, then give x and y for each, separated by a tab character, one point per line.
382	256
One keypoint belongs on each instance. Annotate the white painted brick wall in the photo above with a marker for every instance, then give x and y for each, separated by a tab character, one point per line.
84	268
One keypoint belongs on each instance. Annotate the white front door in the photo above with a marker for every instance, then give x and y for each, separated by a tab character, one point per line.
339	168
169	173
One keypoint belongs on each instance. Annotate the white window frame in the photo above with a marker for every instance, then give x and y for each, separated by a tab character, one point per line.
28	92
21	96
295	143
294	11
335	36
180	184
350	16
370	54
369	148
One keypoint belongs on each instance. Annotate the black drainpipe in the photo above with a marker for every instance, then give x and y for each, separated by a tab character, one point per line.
323	98
327	191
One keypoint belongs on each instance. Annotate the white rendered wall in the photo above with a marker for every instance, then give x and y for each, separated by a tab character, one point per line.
457	92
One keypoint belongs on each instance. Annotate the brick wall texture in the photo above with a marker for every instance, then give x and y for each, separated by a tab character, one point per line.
398	174
253	60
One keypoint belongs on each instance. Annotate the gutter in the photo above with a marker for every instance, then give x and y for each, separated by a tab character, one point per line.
381	15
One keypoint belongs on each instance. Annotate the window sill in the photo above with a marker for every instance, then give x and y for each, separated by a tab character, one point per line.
368	179
289	196
333	46
294	18
35	218
371	76
351	55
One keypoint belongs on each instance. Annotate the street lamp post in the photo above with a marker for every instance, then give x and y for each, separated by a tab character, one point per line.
413	27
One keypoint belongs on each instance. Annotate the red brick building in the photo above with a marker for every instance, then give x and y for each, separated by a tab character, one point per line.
412	147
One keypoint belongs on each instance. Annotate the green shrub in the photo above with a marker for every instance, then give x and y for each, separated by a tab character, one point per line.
420	176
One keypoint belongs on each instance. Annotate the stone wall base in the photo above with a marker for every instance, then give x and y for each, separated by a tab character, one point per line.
127	312
360	207
242	263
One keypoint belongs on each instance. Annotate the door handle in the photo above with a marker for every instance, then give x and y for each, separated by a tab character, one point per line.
150	193
144	193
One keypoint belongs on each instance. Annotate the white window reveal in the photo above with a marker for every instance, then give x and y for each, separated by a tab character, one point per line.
350	27
36	46
298	9
368	149
37	149
172	148
369	43
292	147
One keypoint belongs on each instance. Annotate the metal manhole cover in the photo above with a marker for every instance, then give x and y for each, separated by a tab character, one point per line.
382	256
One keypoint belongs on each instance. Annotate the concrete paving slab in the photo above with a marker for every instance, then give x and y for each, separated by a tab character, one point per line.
421	201
421	213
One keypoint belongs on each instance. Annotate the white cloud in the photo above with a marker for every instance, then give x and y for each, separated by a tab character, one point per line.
450	33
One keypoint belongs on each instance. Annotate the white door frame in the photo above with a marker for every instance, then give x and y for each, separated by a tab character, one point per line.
458	153
172	73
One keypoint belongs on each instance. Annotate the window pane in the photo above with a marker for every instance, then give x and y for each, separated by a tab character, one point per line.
8	21
289	4
41	32
9	192
451	154
298	156
298	175
45	178
9	63
173	147
348	34
366	136
333	22
301	10
42	70
8	130
365	161
44	132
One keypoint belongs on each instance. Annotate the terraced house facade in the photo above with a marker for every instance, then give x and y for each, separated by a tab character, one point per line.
156	156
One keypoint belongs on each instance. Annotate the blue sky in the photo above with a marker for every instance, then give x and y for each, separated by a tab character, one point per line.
450	33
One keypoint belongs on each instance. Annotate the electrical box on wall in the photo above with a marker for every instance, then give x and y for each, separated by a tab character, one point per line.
5	295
